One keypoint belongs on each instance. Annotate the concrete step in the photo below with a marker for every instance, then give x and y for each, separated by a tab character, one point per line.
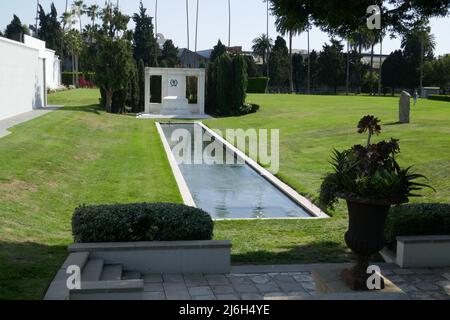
109	290
76	259
112	272
131	275
92	270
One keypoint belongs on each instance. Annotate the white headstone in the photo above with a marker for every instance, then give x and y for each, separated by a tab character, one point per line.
404	107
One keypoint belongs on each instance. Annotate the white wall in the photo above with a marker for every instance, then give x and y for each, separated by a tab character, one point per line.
52	62
21	79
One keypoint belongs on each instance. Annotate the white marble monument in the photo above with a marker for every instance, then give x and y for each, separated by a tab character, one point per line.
174	101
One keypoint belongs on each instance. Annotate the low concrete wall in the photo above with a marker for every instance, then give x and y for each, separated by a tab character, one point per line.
163	257
423	251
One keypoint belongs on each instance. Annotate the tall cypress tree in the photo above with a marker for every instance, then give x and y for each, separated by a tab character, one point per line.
239	82
16	30
144	45
50	29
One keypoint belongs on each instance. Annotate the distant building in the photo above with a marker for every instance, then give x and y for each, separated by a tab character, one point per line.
366	58
191	59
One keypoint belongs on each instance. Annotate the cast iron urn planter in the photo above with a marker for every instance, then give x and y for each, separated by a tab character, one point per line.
365	237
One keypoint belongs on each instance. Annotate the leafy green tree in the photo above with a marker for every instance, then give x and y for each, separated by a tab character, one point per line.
437	72
93	13
16	30
344	17
299	68
141	80
331	71
393	71
169	54
145	46
286	25
279	63
114	60
133	93
314	65
418	46
252	68
113	68
74	45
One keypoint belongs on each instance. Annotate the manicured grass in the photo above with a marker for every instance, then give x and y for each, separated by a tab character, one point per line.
310	127
80	154
56	162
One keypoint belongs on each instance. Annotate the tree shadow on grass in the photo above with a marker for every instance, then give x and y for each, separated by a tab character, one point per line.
318	252
398	123
27	269
96	109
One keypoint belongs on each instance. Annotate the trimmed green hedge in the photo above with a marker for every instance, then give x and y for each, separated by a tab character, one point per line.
257	85
140	222
417	220
439	97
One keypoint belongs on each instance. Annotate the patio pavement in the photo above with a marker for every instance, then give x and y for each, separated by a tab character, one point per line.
7	123
288	283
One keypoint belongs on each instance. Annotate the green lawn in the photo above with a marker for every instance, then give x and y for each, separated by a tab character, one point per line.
80	154
310	127
63	159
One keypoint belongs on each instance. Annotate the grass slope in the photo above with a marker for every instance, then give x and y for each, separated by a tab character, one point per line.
310	127
63	159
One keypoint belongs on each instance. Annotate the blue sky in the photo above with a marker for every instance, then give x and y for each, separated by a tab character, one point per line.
248	21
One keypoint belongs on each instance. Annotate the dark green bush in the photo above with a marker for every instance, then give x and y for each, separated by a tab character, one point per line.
417	220
439	97
257	85
140	222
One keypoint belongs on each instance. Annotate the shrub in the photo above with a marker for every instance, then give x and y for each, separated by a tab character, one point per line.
88	77
257	85
140	222
439	97
417	220
371	173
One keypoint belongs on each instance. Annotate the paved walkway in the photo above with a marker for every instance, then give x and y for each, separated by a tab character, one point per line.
7	123
266	284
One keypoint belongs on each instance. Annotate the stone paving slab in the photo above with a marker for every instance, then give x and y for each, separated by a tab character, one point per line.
8	123
290	283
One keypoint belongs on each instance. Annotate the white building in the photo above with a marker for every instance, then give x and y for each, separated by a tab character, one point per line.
175	91
27	70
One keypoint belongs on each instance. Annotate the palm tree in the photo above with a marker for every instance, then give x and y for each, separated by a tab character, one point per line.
92	12
229	23
361	40
291	27
261	47
187	22
78	10
427	43
196	26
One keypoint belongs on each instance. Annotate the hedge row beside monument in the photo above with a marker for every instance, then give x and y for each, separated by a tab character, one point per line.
417	220
439	97
257	85
140	222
